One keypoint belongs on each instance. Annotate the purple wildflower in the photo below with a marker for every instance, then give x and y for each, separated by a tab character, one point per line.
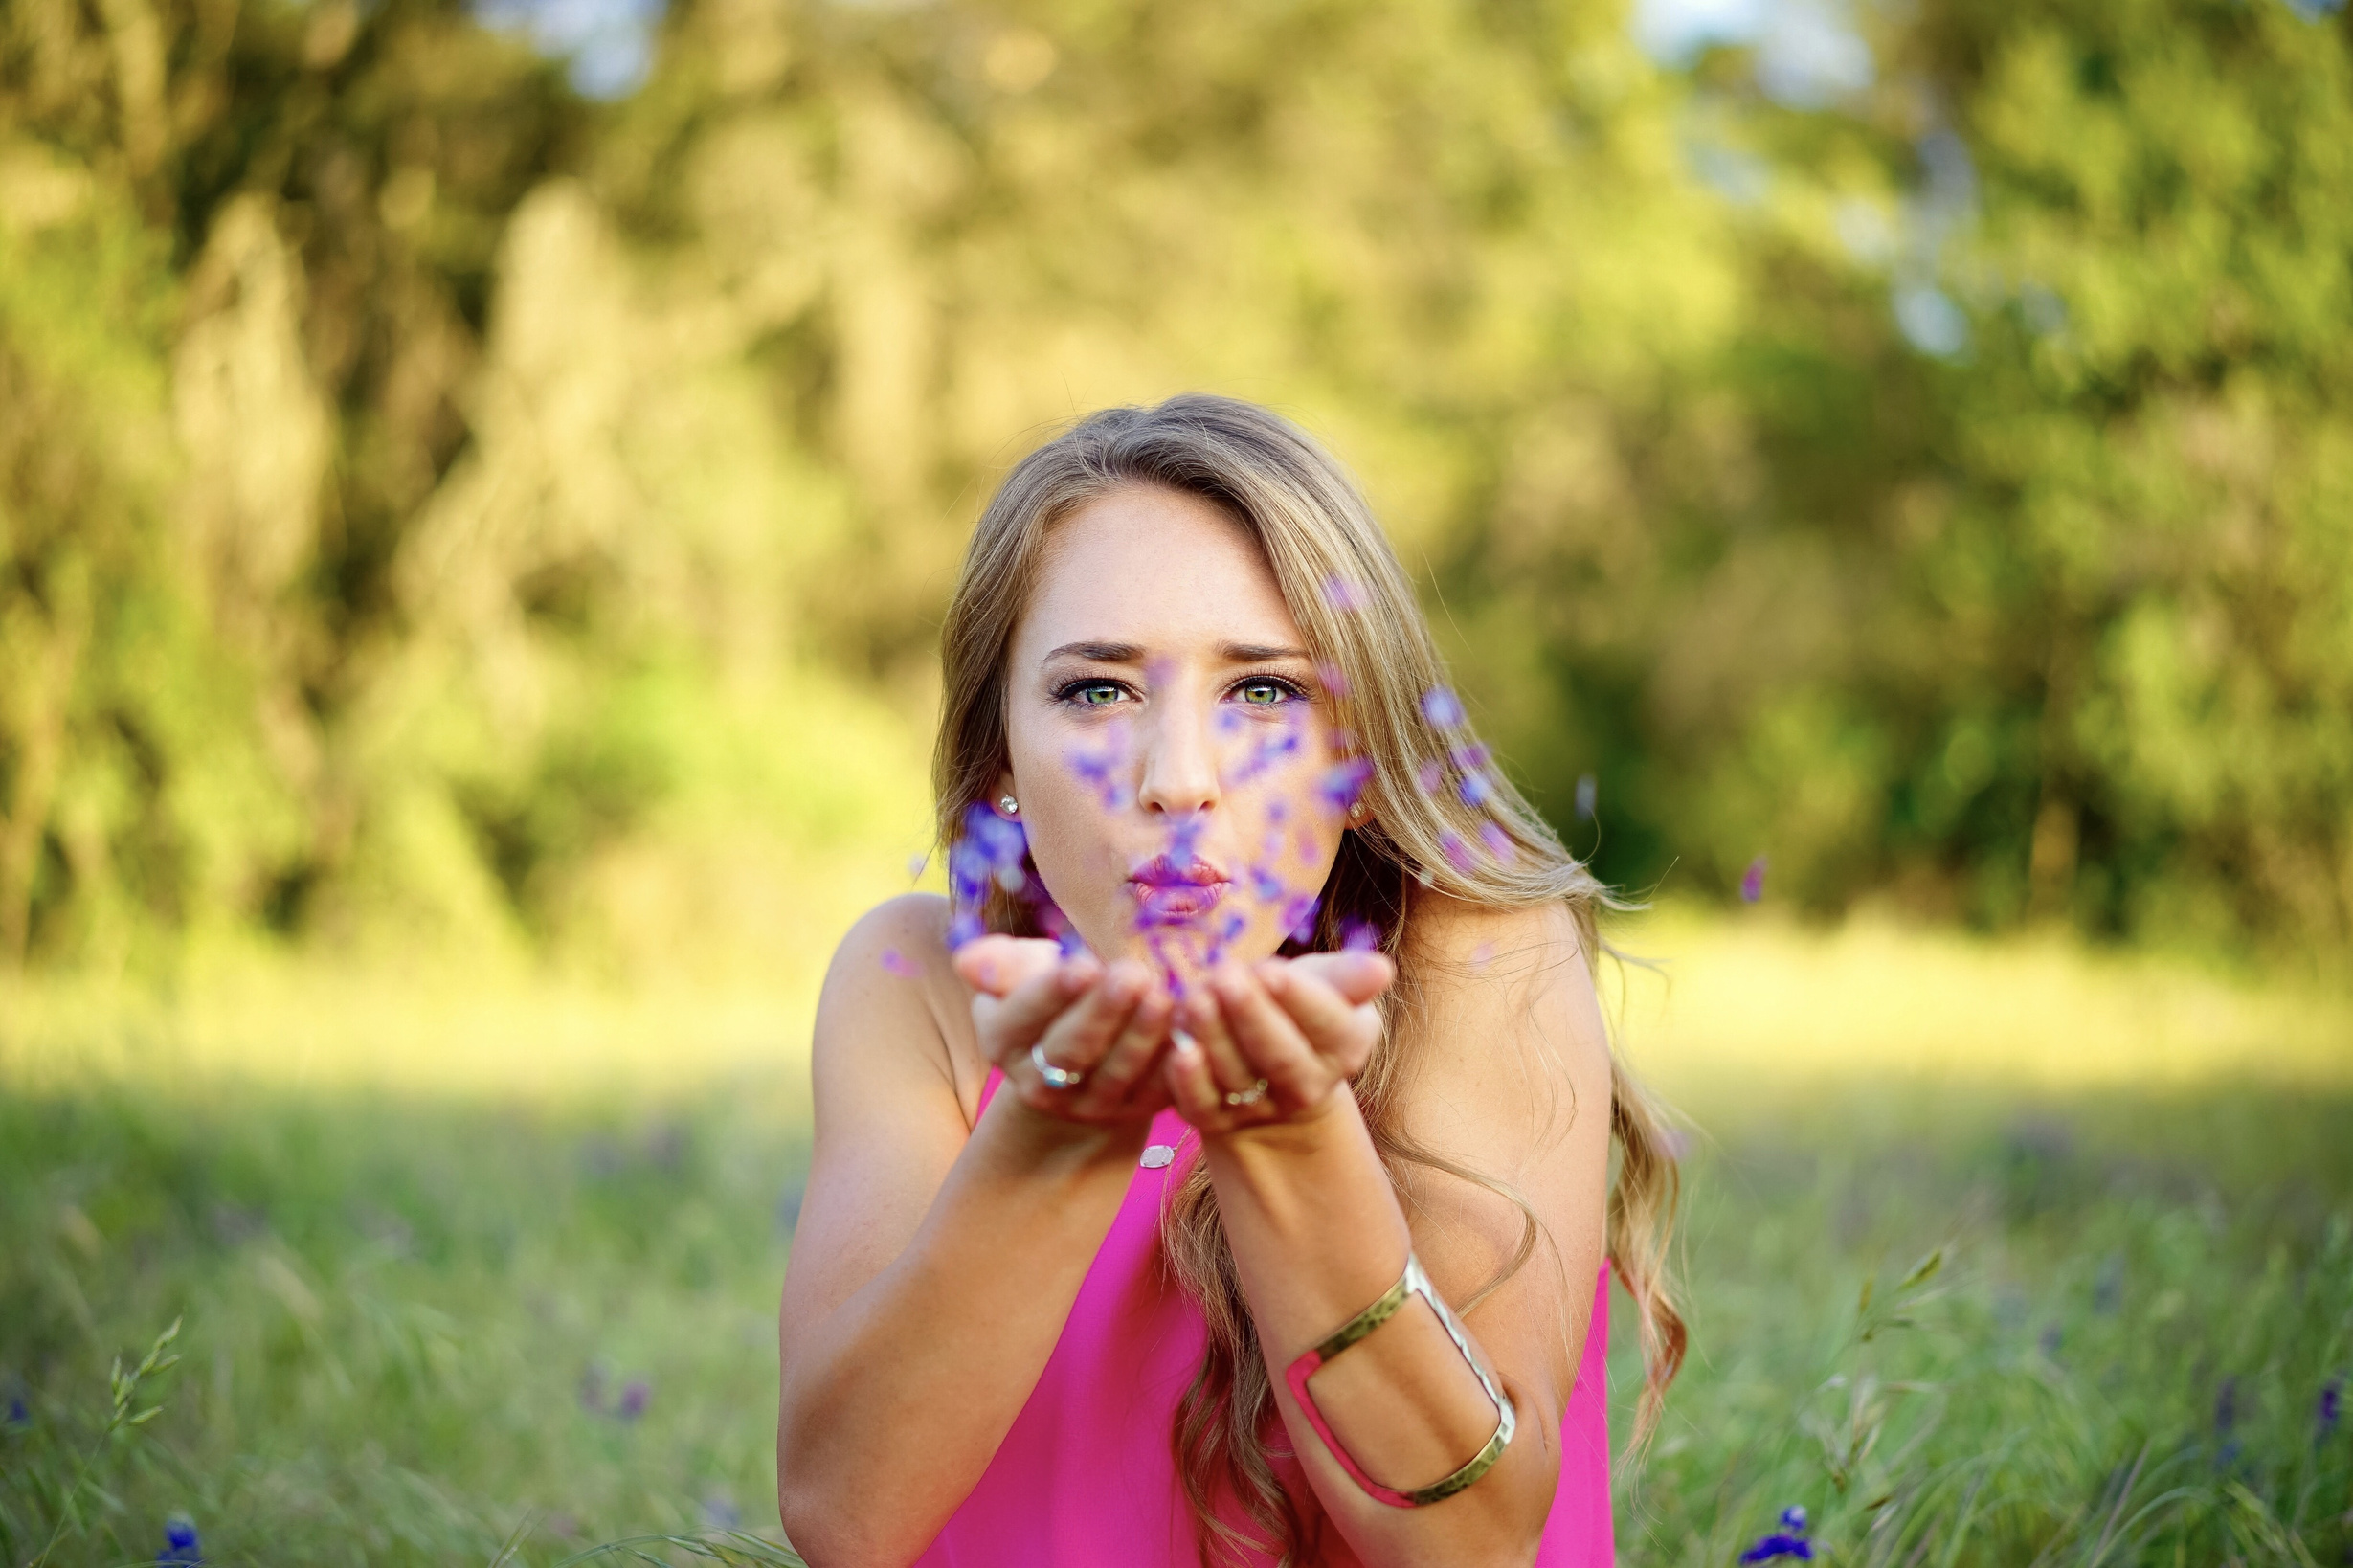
1342	593
2331	1409
635	1396
1343	783
1788	1541
1332	678
1498	842
1752	881
1359	936
1457	852
963	927
1476	790
180	1543
1430	776
1267	885
1472	758
2108	1289
895	962
1586	790
1441	708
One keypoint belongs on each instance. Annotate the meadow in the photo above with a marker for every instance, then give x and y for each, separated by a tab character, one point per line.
1997	1253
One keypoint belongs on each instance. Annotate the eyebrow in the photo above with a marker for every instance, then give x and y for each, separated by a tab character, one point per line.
1127	653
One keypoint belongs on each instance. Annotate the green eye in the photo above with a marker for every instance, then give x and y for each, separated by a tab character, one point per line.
1096	694
1263	693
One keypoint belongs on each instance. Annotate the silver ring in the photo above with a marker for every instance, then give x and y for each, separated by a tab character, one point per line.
1055	1077
1248	1097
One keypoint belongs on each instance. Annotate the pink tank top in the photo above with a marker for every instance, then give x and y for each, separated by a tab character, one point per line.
1085	1479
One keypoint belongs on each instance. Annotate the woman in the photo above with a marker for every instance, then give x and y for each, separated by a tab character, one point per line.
1259	1031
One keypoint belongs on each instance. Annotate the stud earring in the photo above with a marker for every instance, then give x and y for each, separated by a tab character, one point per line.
1012	807
1356	813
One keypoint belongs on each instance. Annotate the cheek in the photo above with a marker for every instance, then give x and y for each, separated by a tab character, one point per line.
1069	839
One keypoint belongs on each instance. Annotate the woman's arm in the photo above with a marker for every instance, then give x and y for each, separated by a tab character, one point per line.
1511	1079
933	1265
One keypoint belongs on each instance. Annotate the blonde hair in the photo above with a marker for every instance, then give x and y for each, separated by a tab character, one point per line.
1358	612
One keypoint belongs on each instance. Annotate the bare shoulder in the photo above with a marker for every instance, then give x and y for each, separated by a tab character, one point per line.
892	1004
1507	1046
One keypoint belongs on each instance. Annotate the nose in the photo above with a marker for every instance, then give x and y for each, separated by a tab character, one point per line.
1180	763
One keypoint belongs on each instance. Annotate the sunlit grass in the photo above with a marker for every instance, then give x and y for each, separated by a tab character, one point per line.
1728	997
426	1228
1756	994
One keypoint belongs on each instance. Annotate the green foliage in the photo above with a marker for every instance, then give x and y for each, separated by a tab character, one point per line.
377	416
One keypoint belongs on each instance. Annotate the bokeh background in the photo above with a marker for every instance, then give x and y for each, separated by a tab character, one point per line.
478	487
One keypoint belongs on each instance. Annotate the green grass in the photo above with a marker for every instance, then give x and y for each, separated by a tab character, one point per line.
408	1319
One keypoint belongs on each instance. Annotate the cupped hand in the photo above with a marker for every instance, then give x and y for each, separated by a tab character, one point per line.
1109	1024
1275	1042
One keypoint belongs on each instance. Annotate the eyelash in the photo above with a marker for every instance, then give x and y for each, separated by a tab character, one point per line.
1068	692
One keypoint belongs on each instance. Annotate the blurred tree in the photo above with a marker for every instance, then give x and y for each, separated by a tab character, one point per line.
434	502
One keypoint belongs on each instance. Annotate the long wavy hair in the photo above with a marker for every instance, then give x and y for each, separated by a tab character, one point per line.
1356	610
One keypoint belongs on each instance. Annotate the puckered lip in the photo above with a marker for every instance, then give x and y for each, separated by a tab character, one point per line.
1170	894
1162	872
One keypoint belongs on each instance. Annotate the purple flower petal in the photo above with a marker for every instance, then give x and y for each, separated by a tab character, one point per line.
1476	790
1430	776
1332	678
1359	936
1299	917
1343	783
1441	708
895	962
1458	852
1752	881
1342	593
1498	842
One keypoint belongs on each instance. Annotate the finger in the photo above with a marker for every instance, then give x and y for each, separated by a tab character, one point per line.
1205	1020
1358	977
1296	1076
1191	1086
1010	1026
1077	1040
1341	1034
1127	1066
997	966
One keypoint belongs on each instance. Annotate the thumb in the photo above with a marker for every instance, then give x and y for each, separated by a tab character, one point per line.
1358	977
996	966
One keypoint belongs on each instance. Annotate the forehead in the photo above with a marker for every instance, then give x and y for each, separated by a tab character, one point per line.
1156	568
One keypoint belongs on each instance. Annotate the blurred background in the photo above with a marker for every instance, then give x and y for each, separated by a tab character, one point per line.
478	486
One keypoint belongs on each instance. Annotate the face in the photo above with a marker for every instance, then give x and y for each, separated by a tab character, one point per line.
1169	740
